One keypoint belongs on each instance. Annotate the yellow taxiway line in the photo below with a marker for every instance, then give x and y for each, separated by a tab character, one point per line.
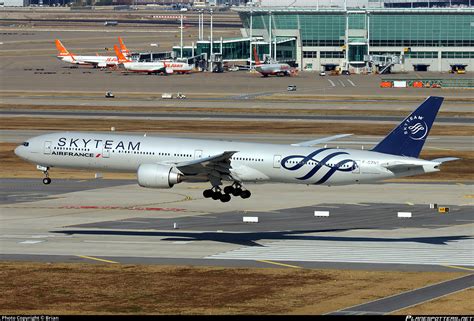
281	264
459	267
96	259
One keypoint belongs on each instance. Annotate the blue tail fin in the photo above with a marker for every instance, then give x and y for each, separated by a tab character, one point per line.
408	138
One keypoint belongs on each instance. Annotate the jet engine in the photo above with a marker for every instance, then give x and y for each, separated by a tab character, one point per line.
158	176
169	70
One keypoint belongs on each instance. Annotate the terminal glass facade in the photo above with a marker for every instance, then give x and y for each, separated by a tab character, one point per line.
350	37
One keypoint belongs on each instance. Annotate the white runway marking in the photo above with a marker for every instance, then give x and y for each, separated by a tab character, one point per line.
396	252
350	81
31	242
342	83
332	83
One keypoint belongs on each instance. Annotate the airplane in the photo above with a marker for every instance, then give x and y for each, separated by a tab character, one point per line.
161	66
162	162
271	68
154	67
96	61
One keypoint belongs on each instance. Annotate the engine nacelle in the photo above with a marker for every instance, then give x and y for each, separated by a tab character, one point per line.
157	176
169	70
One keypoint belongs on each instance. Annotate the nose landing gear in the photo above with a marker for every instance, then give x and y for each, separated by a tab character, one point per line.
46	179
235	189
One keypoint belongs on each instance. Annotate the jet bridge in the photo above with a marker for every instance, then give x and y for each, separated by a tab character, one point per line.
383	63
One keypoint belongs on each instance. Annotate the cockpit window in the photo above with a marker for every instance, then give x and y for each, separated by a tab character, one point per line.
26	144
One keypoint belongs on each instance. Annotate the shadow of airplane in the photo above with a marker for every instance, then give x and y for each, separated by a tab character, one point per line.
251	238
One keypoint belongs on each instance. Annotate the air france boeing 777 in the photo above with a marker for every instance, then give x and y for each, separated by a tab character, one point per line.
164	162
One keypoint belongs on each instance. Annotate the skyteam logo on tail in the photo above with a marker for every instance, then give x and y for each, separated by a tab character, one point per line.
415	127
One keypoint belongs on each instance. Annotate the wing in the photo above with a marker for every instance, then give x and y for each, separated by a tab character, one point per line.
216	167
310	143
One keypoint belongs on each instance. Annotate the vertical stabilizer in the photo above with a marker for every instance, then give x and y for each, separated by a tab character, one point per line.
123	48
257	60
62	50
121	58
408	138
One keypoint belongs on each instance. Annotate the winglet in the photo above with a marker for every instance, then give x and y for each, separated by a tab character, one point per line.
121	58
408	138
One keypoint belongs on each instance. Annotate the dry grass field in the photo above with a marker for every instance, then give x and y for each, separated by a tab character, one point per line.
40	288
458	304
288	110
216	126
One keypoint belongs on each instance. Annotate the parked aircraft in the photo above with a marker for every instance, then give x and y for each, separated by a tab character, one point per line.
271	68
163	162
139	66
96	61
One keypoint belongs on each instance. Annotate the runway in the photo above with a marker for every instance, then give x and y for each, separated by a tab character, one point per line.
118	221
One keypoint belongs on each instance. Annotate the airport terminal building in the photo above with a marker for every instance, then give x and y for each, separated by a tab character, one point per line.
437	37
359	39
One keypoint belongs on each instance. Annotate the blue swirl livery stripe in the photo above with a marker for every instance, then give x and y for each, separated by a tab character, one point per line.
303	160
334	169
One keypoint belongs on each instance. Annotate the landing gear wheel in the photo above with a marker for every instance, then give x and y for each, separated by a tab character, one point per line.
237	191
208	193
229	189
46	181
216	195
225	198
245	194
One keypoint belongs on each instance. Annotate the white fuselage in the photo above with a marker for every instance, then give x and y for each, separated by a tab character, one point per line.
148	67
177	66
252	162
101	61
273	69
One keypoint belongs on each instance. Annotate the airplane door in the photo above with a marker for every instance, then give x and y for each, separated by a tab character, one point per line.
105	153
47	147
197	154
356	169
276	161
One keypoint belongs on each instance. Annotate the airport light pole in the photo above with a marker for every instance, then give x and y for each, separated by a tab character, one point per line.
212	41
250	33
181	35
199	25
270	33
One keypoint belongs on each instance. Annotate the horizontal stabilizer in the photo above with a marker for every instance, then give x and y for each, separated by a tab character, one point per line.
310	143
444	159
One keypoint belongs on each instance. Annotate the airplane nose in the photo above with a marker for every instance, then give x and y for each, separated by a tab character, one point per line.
17	151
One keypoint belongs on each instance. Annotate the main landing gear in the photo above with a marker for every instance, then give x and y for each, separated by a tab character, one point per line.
46	179
235	189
